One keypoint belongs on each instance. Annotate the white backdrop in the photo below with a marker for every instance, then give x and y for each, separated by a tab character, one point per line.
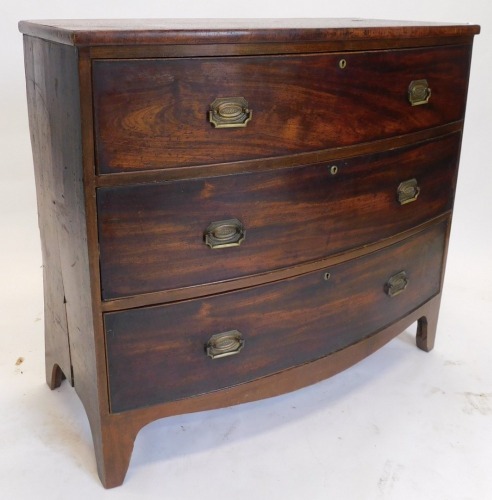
26	406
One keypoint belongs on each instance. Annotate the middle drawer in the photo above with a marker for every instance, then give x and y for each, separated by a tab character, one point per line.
154	237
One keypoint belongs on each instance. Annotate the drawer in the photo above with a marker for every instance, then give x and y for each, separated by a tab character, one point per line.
157	354
151	236
154	113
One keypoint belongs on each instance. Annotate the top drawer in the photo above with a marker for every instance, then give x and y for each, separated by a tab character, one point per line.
154	113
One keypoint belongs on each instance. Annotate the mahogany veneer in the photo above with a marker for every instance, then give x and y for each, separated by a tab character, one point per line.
146	112
291	216
189	266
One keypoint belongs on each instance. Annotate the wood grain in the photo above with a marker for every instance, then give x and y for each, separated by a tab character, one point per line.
152	114
194	31
42	68
256	165
269	48
151	236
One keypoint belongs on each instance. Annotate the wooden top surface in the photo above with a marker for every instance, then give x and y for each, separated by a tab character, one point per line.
87	32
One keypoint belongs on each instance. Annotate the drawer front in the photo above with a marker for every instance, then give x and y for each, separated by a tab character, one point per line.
154	113
153	236
157	354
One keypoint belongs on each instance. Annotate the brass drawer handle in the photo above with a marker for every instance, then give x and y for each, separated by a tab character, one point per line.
229	112
225	233
396	284
419	92
408	191
224	344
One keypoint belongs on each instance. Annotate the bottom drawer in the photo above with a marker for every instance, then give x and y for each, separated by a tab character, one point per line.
158	354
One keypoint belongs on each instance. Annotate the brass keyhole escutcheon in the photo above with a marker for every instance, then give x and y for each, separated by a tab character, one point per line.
342	64
333	170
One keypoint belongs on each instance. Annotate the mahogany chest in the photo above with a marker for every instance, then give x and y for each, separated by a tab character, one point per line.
234	209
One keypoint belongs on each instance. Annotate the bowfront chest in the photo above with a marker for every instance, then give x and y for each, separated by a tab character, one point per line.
230	210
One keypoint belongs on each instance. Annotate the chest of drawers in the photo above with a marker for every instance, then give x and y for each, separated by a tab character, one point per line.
230	210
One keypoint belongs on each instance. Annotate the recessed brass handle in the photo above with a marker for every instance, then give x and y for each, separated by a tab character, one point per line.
408	191
224	344
419	92
225	233
396	284
229	112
